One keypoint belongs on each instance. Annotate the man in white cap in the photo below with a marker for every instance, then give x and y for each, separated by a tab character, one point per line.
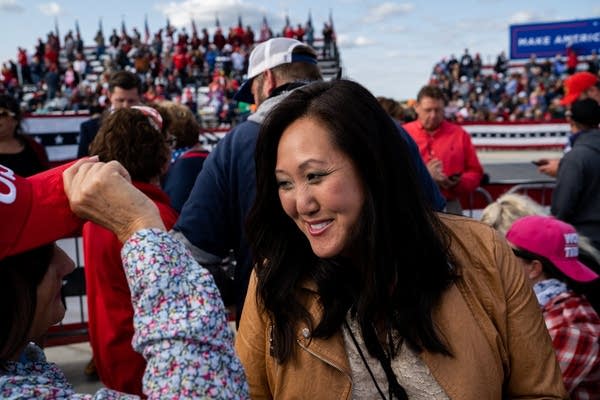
212	220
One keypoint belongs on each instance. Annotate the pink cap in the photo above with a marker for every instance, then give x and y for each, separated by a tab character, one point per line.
553	239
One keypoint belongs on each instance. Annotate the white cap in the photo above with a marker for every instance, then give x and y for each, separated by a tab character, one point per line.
270	54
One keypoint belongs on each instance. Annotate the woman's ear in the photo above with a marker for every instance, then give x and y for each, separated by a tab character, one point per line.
535	271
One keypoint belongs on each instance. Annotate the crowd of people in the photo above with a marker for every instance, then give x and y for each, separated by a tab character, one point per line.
66	74
353	278
507	92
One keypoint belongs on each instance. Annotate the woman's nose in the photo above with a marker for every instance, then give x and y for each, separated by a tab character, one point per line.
306	203
64	264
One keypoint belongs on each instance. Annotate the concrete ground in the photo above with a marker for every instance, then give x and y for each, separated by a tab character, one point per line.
72	360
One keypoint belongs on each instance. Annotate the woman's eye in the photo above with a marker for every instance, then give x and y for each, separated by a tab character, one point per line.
284	184
314	177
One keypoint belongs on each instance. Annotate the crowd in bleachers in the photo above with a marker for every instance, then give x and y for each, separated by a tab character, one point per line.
200	70
507	91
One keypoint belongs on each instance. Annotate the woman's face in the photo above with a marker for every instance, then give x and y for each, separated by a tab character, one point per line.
319	187
49	308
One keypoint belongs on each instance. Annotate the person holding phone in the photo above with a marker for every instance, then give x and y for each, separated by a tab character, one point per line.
446	149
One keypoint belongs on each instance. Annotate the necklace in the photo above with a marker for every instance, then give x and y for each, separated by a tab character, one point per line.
395	389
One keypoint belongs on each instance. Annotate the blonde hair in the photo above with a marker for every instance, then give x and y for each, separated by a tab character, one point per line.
507	209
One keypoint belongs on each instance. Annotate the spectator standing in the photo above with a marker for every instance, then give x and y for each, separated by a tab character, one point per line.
299	33
446	149
23	62
327	40
18	151
571	60
224	190
593	64
576	197
100	44
52	79
125	90
137	139
466	64
501	65
581	85
310	33
547	250
188	154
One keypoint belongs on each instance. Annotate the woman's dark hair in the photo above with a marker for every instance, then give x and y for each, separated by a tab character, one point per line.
11	104
403	263
20	276
127	136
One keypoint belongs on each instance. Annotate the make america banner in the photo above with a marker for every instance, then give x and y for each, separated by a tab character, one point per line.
550	39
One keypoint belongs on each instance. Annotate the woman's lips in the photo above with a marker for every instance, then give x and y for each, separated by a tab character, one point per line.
318	227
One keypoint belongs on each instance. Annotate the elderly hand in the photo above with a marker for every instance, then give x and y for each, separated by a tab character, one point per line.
103	193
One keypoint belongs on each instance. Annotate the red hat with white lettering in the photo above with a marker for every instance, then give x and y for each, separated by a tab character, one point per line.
34	211
552	239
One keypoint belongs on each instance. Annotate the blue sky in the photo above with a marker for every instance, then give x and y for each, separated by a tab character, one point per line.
388	46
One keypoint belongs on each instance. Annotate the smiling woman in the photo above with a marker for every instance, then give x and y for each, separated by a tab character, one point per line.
360	290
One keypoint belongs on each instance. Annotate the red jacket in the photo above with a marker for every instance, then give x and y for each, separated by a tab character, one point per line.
110	313
452	145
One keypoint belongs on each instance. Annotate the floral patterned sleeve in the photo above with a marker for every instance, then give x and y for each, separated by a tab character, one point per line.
180	323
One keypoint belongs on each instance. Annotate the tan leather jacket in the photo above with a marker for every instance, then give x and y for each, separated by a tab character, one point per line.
490	318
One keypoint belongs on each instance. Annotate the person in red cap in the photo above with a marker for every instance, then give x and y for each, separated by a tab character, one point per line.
548	250
189	354
579	86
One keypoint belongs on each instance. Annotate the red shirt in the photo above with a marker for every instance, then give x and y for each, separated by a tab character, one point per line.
574	328
452	145
110	313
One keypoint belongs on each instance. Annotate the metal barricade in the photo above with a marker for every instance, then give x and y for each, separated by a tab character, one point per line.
540	192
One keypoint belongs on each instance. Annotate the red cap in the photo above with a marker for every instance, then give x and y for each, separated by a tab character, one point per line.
577	84
553	239
34	211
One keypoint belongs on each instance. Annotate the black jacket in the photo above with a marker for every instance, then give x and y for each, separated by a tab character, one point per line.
576	198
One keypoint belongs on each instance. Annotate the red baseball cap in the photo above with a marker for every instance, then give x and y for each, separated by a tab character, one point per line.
577	84
34	211
553	239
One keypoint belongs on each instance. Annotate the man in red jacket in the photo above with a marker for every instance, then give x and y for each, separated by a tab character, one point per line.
446	149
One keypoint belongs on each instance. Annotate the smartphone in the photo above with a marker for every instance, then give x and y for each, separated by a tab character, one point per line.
539	162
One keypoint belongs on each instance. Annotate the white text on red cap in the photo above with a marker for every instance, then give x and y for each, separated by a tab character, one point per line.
7	177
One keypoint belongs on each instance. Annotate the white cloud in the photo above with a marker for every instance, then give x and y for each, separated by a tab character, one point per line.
11	6
205	12
387	9
50	9
347	42
521	17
